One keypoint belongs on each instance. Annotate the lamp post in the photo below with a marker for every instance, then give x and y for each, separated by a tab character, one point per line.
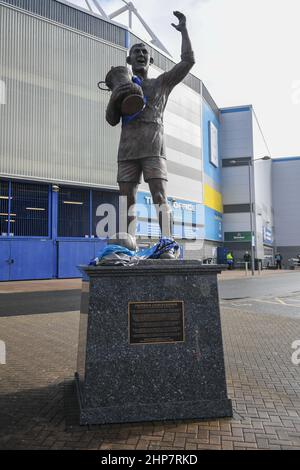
251	179
253	241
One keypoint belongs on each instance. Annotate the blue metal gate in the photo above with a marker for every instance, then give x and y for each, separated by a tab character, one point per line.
46	234
26	259
4	260
73	253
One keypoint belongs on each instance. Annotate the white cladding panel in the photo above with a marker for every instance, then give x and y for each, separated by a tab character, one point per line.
182	127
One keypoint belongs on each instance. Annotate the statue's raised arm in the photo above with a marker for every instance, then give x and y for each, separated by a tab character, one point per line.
180	70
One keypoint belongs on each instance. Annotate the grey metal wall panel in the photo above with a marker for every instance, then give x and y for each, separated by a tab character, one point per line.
235	184
226	162
210	101
236	208
236	222
74	18
236	134
288	252
263	201
53	125
241	140
286	199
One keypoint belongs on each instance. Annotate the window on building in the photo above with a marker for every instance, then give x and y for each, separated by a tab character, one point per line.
4	195
29	210
73	212
23	209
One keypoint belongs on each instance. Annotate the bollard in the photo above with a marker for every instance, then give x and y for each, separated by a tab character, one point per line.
246	268
2	352
259	267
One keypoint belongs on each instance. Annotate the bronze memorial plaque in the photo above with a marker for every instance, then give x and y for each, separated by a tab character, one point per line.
156	322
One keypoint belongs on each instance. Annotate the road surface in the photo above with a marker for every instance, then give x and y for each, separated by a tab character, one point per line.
278	294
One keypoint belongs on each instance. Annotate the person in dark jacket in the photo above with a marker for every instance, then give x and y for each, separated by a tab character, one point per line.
278	260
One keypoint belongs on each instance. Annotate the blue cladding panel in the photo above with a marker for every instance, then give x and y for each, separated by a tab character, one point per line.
32	259
242	109
4	258
221	255
213	225
285	159
184	212
72	253
209	169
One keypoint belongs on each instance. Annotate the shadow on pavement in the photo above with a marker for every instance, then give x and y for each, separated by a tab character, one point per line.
30	303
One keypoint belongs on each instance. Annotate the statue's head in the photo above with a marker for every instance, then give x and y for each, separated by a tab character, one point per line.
139	58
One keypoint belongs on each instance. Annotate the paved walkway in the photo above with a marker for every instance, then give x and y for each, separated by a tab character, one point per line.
238	274
68	284
39	286
38	411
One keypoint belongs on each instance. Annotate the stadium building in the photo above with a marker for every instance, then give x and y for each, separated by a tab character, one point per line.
58	156
246	185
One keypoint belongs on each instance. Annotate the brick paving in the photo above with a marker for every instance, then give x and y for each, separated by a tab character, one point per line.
38	411
47	285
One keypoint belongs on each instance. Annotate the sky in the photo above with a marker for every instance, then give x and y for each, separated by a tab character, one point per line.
247	52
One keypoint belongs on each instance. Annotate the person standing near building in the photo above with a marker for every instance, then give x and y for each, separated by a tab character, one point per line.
278	259
230	260
247	259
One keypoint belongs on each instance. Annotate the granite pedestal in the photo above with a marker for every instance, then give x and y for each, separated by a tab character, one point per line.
150	343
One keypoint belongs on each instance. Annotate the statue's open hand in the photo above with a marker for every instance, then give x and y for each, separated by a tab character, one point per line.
182	21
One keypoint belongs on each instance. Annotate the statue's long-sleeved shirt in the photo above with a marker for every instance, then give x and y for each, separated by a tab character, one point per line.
144	136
